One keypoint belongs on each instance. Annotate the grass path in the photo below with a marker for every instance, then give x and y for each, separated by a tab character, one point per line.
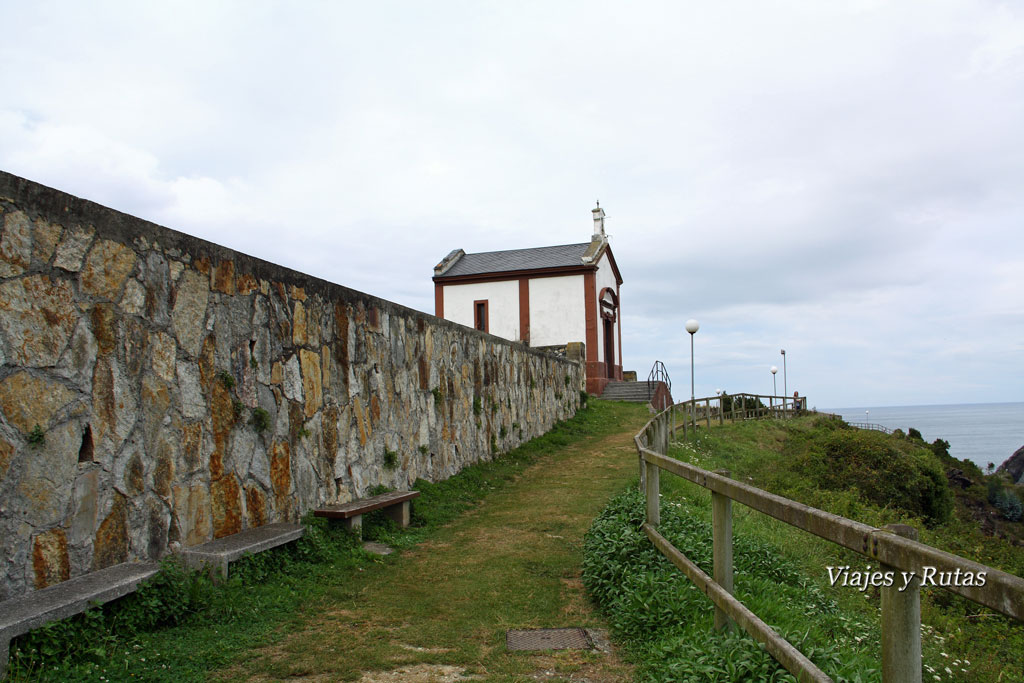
439	611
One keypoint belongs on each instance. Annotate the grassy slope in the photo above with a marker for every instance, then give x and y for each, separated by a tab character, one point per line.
793	459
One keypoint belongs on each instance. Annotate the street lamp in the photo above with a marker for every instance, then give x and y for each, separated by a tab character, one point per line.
775	389
692	326
785	386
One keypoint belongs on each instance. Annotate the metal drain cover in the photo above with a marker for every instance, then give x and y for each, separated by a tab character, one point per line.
548	639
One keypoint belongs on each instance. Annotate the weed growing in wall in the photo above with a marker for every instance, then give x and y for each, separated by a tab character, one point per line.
260	420
438	395
36	437
227	379
390	459
477	406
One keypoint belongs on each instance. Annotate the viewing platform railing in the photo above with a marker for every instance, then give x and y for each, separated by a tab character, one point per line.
734	407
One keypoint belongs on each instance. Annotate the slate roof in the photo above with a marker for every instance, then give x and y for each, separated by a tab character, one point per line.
518	259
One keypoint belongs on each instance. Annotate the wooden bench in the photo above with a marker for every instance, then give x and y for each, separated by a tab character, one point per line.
68	598
218	553
394	504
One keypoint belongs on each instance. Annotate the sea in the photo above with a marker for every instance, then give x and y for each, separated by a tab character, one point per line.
979	432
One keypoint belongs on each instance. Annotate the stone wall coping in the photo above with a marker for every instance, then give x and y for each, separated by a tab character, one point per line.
68	210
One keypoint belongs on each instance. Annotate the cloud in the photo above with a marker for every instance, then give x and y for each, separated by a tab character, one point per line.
842	180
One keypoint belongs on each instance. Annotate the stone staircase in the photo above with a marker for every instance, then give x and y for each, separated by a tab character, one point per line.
637	392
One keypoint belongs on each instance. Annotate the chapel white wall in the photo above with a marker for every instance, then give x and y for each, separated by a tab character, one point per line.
502	305
557	310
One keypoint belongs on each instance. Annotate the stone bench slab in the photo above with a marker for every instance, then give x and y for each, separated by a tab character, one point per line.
68	598
361	507
218	553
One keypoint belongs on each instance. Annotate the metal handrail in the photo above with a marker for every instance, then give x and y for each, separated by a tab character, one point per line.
659	373
872	426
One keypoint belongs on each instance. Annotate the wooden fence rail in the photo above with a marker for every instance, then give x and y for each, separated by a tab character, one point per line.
895	548
734	407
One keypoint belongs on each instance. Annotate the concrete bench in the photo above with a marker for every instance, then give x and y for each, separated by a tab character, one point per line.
218	553
68	598
394	504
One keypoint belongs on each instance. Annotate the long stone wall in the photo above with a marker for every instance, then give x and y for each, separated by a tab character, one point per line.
158	391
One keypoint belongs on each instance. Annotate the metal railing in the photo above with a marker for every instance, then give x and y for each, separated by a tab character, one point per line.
871	426
659	373
895	548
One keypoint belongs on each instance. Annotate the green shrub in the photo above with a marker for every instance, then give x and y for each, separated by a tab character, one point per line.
1005	500
885	471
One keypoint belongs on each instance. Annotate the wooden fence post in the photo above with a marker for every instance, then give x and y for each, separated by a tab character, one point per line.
651	490
663	441
901	622
672	409
721	525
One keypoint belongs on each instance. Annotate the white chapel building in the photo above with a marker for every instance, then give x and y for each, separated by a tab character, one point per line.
543	297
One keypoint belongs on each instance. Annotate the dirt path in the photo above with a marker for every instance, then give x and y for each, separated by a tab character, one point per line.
440	611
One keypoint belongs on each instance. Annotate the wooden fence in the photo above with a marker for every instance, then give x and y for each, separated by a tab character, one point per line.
689	414
895	548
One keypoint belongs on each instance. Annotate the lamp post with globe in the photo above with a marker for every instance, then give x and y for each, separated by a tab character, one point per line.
692	326
775	389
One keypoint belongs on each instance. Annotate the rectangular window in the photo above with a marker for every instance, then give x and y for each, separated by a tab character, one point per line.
480	315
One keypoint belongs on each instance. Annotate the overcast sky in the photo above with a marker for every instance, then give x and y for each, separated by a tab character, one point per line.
844	180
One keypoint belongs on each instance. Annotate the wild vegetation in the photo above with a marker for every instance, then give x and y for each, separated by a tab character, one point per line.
781	572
